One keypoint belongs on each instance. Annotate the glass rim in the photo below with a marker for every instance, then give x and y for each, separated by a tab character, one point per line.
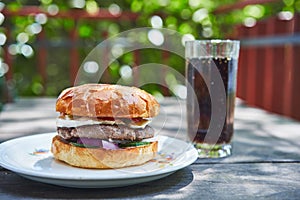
213	41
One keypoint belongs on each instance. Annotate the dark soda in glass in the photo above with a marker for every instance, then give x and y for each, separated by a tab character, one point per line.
227	68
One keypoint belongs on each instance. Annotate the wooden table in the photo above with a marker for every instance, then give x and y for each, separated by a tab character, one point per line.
265	163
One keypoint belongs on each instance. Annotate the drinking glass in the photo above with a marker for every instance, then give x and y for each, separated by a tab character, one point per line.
211	70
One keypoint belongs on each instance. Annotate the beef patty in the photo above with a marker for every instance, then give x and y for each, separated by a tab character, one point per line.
115	132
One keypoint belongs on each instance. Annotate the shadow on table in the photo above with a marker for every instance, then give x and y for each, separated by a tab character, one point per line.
17	187
267	140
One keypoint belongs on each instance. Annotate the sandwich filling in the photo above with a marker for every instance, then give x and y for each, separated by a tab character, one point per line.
105	133
76	121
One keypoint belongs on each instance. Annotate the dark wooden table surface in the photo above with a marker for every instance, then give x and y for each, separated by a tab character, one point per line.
265	163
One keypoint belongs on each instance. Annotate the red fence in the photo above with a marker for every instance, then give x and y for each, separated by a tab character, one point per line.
269	67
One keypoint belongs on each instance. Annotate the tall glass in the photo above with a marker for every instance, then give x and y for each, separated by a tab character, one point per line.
211	69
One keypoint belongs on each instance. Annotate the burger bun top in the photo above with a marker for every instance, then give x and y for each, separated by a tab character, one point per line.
105	100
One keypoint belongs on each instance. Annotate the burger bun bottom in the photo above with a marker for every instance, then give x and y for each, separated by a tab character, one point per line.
99	158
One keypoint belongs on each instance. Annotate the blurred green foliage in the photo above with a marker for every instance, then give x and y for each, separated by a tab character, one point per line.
197	18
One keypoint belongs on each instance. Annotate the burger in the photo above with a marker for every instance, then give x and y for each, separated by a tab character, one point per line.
105	126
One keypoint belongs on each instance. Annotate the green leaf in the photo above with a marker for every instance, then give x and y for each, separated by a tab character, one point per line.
82	145
133	144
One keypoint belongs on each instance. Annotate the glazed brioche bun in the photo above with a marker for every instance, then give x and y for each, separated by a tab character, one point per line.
104	100
99	158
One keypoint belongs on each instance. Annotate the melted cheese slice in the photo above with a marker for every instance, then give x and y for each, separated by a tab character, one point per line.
67	121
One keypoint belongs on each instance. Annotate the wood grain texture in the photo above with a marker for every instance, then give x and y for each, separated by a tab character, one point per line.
199	181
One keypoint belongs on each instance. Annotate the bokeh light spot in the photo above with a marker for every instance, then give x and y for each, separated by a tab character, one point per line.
34	28
114	9
77	3
117	50
200	14
1	18
156	37
26	50
125	72
2	38
92	7
41	18
91	67
285	15
13	49
194	3
22	38
156	21
53	9
207	32
250	22
256	11
3	68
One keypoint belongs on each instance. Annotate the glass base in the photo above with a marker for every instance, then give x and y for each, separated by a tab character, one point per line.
213	151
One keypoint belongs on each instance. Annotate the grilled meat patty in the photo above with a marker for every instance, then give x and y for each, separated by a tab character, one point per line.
115	132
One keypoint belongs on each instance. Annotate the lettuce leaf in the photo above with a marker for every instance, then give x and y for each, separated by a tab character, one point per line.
133	144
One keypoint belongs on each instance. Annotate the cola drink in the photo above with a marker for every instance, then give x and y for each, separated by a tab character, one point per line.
196	70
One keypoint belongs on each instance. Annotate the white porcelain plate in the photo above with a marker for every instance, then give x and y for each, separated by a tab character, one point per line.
30	157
